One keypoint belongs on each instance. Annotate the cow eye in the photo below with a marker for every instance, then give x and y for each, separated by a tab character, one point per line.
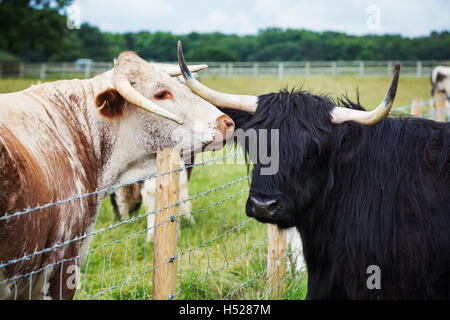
163	95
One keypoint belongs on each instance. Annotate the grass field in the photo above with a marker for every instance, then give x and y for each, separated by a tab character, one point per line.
371	89
222	254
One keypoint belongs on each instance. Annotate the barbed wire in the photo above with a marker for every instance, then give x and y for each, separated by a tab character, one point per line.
133	219
113	188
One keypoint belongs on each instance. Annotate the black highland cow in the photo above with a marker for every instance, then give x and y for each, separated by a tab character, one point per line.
362	191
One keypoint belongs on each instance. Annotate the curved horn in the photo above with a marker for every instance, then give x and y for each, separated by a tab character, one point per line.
369	118
174	71
240	102
123	86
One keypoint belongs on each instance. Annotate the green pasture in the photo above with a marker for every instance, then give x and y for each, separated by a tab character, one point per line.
221	254
371	89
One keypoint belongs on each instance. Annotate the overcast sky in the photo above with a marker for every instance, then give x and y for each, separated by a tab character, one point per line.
405	17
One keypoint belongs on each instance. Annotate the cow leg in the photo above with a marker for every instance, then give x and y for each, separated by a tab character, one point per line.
185	206
115	206
5	288
296	255
123	207
20	288
148	193
41	286
63	281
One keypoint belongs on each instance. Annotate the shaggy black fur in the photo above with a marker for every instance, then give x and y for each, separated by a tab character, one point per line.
359	196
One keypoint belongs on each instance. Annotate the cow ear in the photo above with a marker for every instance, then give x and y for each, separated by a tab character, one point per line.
110	103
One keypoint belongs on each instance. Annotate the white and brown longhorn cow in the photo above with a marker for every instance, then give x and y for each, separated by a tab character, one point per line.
66	138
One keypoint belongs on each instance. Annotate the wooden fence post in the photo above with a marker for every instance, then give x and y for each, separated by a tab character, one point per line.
307	69
419	69
223	70
21	70
361	69
63	70
276	262
280	70
389	68
439	106
333	68
416	107
166	226
87	70
43	71
230	69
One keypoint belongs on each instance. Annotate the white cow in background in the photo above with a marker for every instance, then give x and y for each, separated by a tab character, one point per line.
295	247
440	83
129	199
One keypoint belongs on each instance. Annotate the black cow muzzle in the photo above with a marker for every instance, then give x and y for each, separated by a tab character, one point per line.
262	209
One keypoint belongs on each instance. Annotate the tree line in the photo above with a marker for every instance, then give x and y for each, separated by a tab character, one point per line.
36	30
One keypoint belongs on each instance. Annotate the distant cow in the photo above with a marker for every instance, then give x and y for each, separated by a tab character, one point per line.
130	198
440	83
369	197
440	80
68	138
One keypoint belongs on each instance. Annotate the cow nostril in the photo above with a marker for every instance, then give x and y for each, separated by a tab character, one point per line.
228	123
266	206
225	124
271	205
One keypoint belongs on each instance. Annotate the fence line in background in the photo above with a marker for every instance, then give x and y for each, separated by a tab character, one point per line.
231	69
435	107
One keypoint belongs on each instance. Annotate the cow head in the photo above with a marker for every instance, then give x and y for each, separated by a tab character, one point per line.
149	109
304	127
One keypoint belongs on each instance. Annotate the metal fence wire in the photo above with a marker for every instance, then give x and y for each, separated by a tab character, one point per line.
219	252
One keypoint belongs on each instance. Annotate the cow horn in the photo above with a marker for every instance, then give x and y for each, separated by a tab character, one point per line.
174	71
240	102
368	118
123	86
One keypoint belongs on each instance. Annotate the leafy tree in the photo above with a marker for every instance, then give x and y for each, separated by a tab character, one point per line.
33	29
211	54
279	52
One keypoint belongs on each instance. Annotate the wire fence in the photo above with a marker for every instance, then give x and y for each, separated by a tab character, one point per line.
437	108
220	253
231	69
217	252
